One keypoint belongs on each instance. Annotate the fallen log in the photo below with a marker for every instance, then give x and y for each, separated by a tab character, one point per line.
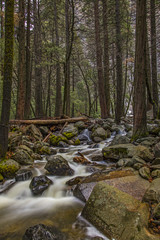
48	121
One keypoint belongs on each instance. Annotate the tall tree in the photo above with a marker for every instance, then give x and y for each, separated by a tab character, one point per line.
21	65
99	61
7	82
139	118
154	58
119	100
38	60
58	105
106	56
28	62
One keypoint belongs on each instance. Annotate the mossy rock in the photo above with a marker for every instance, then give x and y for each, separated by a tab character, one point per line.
1	178
55	139
70	131
77	142
8	168
45	150
22	157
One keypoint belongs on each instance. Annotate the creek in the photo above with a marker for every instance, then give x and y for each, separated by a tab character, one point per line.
19	209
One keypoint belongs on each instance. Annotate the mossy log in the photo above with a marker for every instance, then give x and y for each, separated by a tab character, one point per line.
48	121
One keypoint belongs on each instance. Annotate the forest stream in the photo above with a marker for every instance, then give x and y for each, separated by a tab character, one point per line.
19	209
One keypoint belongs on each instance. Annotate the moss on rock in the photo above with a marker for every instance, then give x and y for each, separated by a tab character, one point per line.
8	168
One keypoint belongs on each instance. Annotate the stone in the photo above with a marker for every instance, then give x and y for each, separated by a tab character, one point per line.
83	191
28	144
99	133
145	173
157	150
58	166
63	144
117	214
156	161
156	212
39	184
34	132
44	130
45	150
36	156
120	140
152	194
125	162
55	139
14	140
80	125
70	131
22	157
119	151
1	178
23	175
8	168
26	148
40	231
155	174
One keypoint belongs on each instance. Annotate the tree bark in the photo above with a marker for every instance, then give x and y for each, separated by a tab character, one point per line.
38	61
21	65
58	105
28	63
154	59
106	56
139	118
101	85
7	82
119	100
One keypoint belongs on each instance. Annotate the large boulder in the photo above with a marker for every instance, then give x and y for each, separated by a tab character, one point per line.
117	152
70	131
117	214
119	139
8	168
22	157
100	133
40	231
39	184
14	140
58	166
34	132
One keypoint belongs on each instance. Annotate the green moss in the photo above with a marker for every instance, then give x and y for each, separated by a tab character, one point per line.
45	150
54	140
1	178
68	135
77	142
8	168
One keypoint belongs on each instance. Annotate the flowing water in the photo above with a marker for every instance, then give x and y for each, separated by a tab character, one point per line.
19	209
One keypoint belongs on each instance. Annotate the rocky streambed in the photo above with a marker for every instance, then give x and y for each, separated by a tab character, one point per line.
54	186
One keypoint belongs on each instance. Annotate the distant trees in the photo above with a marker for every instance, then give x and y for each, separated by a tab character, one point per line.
7	81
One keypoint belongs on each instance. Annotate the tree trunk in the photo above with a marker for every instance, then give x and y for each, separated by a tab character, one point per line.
38	61
28	64
154	59
58	105
139	118
21	65
119	100
106	57
7	83
101	85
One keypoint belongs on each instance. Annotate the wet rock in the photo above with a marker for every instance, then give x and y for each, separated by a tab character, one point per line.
8	168
131	221
58	166
55	139
74	181
42	232
34	132
96	156
120	140
23	175
22	157
145	173
36	156
83	191
97	139
39	184
53	151
153	192
70	131
63	144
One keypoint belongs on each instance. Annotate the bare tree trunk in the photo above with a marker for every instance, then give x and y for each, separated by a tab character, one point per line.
38	61
106	57
119	101
139	118
154	59
58	105
99	62
7	82
21	65
28	63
